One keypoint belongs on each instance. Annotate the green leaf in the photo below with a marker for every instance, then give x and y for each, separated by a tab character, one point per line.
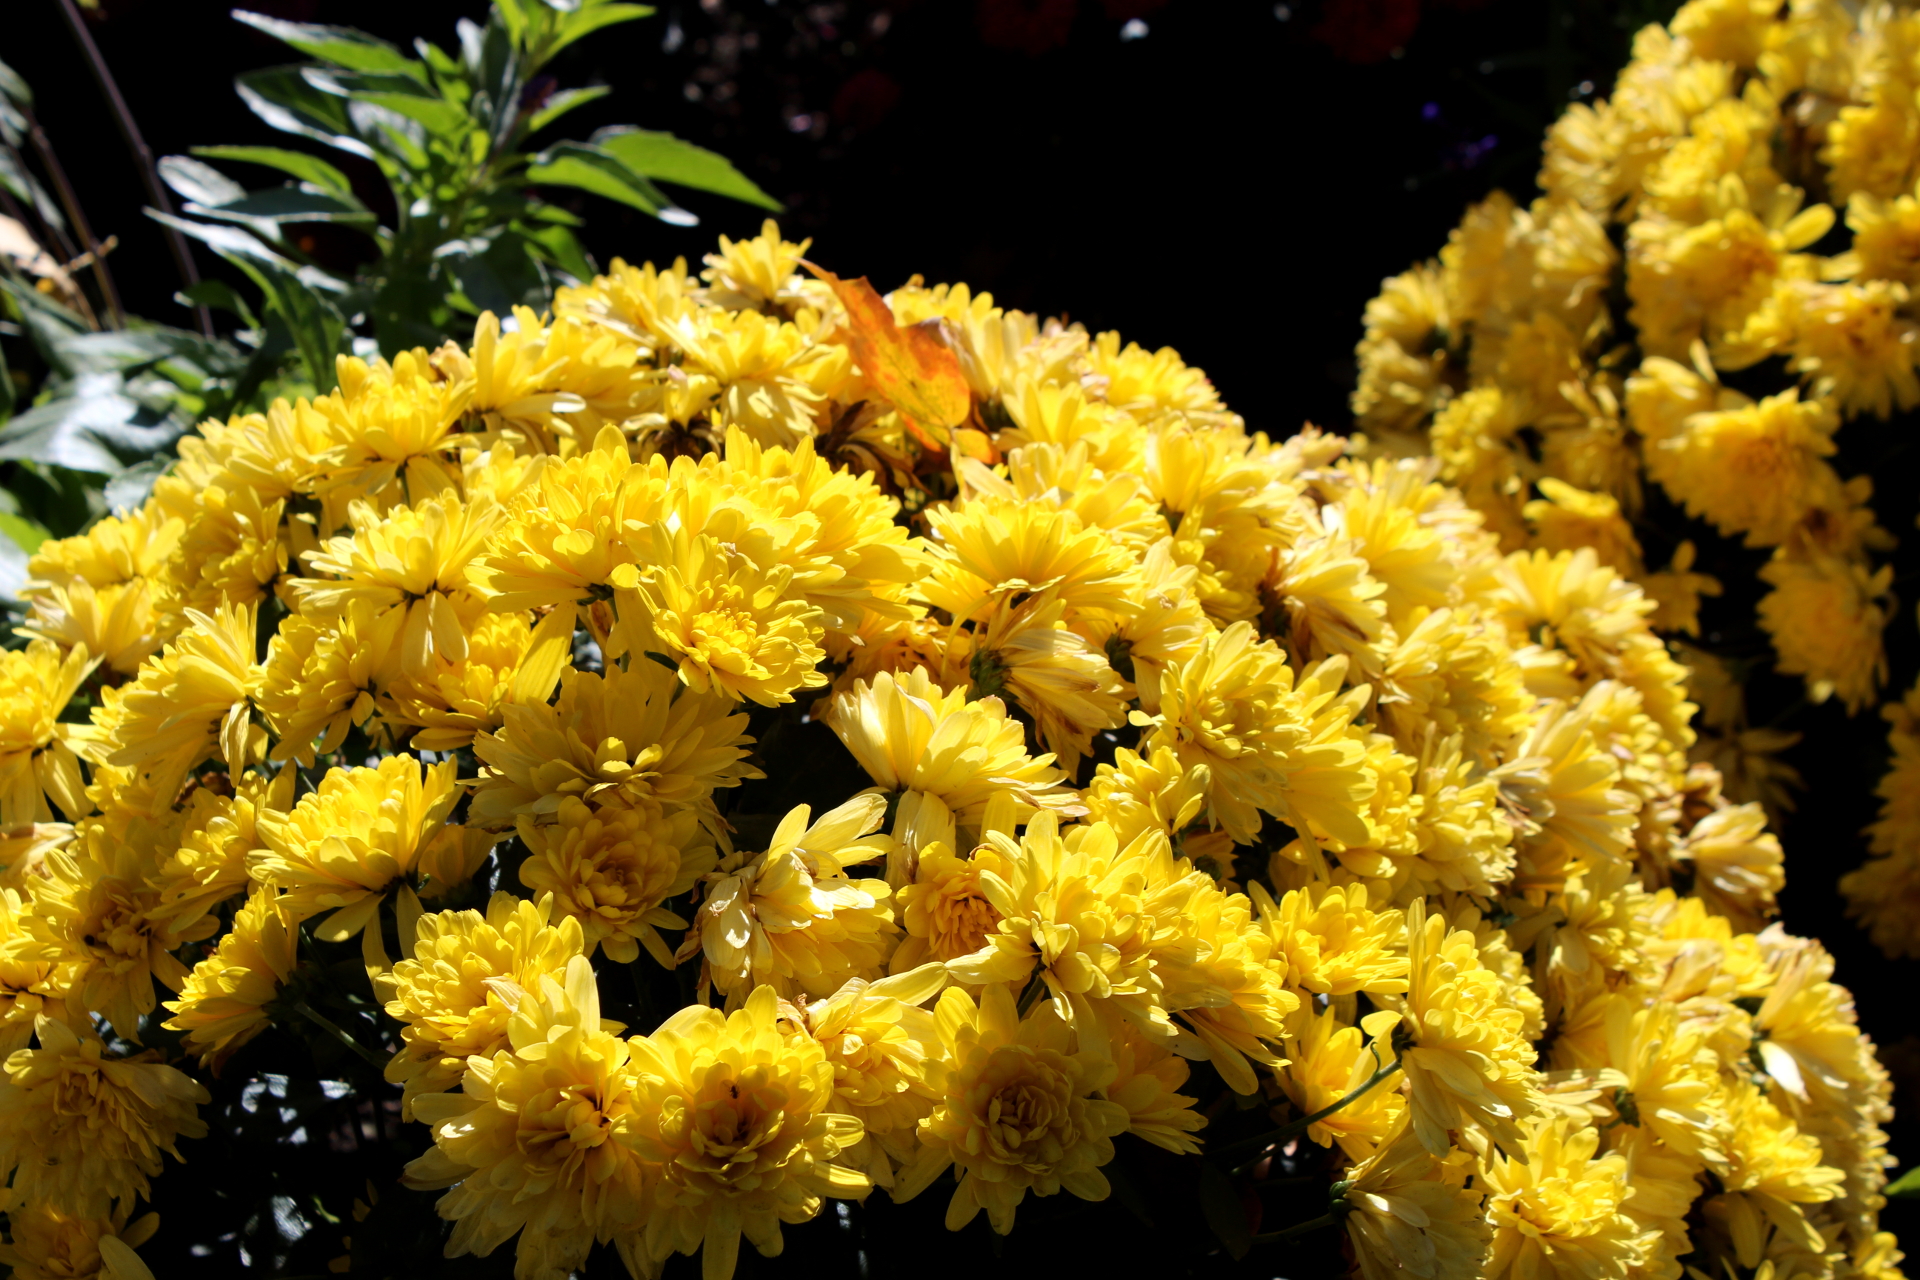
298	163
589	18
13	86
559	246
285	204
93	426
342	46
1906	1186
6	388
1225	1214
668	159
199	183
219	295
283	98
588	168
398	94
131	487
22	532
562	102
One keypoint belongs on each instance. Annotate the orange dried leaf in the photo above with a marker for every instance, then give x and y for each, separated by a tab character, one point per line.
911	367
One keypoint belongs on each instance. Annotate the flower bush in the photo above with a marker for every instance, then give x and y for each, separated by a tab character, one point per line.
1655	360
738	742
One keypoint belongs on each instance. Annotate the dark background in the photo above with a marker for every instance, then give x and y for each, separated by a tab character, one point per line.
1229	178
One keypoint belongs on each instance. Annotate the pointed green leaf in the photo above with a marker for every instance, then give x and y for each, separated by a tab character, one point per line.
589	18
1906	1186
298	163
342	46
663	157
562	102
199	183
283	98
587	168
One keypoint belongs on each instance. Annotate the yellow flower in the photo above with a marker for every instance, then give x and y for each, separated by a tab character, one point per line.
536	1141
321	679
80	1130
1757	470
1235	709
1325	1063
116	621
791	917
37	762
223	1003
360	835
1019	1112
1331	943
881	1045
1464	1060
1556	1212
1737	864
1826	615
746	1128
393	423
413	559
209	865
732	626
46	1244
610	870
992	550
1228	990
1411	1213
1051	673
944	910
627	735
464	979
452	701
910	735
1773	1169
190	701
1566	519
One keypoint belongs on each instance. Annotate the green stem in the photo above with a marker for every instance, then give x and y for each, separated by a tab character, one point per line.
1275	1137
1297	1229
1031	995
334	1029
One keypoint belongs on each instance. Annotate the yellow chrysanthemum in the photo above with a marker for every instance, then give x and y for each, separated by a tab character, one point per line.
611	869
1825	616
745	1125
1019	1112
466	976
362	834
46	1244
1411	1213
223	1003
80	1130
1557	1213
37	761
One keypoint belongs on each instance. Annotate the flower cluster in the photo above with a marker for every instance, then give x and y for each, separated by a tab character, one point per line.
1655	360
1178	762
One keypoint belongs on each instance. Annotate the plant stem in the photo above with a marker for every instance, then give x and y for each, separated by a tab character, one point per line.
69	201
1274	1137
1031	995
339	1033
1297	1229
143	160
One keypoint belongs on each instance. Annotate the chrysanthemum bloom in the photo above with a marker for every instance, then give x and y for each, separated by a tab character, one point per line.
466	976
909	734
192	700
28	985
610	869
223	1003
533	1142
1146	1081
1774	1172
37	763
1557	1213
791	917
732	625
235	549
117	621
1235	709
321	679
46	1244
393	424
1755	471
992	549
1826	616
453	701
1464	1059
1074	916
1326	1062
209	865
622	736
93	914
363	833
1856	345
80	1130
1738	865
746	1129
881	1045
1020	1112
413	559
1153	792
1051	673
1561	788
1228	991
945	912
1331	943
1411	1213
1669	1077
